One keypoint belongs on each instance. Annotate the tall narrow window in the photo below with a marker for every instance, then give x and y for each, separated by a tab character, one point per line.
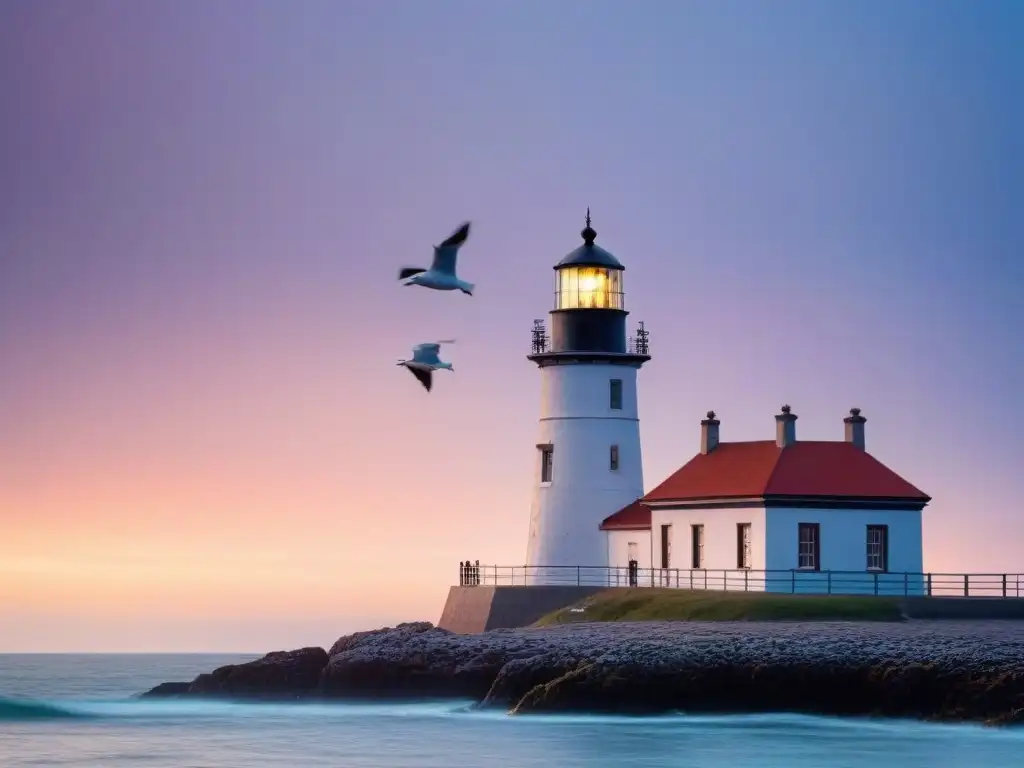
809	546
613	458
666	546
615	394
697	545
547	461
743	546
878	547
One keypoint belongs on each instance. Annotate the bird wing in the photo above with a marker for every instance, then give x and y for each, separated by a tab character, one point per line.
409	272
425	377
426	353
446	252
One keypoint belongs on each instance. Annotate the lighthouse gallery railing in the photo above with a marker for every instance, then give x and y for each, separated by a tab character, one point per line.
796	581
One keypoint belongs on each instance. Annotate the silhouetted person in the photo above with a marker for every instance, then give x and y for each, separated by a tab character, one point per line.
476	573
634	573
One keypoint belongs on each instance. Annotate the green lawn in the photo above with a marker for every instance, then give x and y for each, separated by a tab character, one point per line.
702	605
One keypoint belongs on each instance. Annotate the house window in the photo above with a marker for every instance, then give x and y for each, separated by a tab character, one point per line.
631	551
613	458
743	545
666	545
878	547
697	545
809	546
615	394
547	460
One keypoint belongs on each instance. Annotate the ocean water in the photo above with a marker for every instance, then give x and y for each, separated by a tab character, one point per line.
78	710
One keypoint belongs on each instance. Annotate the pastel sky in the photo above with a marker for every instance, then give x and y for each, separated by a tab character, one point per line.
205	443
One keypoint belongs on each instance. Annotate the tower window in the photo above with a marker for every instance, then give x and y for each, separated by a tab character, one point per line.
615	394
613	458
547	456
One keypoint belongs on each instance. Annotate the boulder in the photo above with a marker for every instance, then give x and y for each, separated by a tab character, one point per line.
519	676
410	661
288	674
166	689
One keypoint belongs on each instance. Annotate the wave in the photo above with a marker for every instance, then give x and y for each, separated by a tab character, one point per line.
15	710
23	710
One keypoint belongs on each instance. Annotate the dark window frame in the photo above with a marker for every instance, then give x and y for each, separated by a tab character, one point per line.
547	462
615	394
697	546
883	556
743	557
814	541
613	458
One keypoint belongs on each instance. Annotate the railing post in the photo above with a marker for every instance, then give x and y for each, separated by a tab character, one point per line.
792	586
829	573
705	579
928	584
577	575
746	583
876	583
691	579
906	584
725	581
1004	585
967	585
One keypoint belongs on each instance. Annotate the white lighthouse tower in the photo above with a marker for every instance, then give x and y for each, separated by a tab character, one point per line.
588	462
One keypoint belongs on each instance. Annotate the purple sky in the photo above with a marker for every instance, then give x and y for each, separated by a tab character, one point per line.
204	440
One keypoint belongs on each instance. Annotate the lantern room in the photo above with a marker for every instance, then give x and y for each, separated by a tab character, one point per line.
589	277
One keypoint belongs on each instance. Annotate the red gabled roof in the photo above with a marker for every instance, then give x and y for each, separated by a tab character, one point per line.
805	468
632	517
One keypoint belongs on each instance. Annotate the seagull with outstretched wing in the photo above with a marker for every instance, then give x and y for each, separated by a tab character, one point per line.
441	276
425	361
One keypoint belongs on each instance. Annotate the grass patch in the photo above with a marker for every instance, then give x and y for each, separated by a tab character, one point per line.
651	604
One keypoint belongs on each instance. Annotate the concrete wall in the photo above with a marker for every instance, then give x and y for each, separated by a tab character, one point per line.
469	610
964	608
577	421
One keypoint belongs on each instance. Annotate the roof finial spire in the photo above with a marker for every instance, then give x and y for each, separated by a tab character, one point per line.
588	233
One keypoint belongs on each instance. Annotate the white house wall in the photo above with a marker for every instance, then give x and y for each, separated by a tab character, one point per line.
843	549
577	420
618	555
721	569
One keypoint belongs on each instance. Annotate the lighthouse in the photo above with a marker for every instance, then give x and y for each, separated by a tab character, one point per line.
587	461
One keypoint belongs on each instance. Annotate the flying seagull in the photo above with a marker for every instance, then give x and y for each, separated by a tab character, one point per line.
425	361
441	275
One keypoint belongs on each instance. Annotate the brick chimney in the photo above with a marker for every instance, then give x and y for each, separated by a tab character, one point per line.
855	428
785	428
709	433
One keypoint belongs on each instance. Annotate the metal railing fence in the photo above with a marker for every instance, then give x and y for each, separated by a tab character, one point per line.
794	581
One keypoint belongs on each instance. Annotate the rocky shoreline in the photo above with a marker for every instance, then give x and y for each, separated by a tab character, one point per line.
953	671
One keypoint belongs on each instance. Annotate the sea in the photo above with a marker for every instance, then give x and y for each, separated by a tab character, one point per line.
82	710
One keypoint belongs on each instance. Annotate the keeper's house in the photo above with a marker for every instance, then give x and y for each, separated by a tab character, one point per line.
779	515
